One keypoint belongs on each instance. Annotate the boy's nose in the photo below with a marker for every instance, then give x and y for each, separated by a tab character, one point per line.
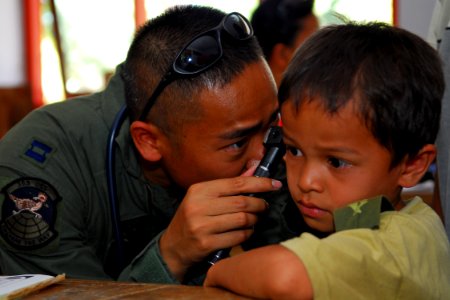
309	178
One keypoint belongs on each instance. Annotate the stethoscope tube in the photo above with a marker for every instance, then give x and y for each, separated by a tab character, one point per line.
111	182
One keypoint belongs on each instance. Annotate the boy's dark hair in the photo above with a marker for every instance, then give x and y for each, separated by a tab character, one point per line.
155	47
394	76
279	21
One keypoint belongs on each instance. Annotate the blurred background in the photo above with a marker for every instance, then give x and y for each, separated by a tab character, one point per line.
57	49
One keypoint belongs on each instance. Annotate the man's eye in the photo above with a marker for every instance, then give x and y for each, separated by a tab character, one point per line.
237	146
338	163
294	151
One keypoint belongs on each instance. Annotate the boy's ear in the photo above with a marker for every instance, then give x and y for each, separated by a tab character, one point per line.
147	139
416	167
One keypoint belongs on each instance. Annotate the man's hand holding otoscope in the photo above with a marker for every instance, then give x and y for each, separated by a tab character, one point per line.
275	149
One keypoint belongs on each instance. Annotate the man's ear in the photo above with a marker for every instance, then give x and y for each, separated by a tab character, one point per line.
147	139
416	167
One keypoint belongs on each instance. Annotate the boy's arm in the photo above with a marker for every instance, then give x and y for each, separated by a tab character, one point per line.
268	272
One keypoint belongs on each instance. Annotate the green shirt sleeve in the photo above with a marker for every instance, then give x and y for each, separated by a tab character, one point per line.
149	266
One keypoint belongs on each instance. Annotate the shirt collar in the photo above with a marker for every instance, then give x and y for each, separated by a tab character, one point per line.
362	214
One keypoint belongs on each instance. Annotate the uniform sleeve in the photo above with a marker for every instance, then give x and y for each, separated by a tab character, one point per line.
148	266
46	243
54	210
47	223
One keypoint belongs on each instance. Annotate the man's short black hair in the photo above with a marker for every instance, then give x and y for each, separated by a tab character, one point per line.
279	21
394	77
154	48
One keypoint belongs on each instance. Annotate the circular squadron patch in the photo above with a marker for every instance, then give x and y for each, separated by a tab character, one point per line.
29	213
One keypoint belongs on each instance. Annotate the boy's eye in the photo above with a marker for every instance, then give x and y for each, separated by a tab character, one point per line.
294	151
338	163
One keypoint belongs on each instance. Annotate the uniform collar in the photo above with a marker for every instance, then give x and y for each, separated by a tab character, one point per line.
113	98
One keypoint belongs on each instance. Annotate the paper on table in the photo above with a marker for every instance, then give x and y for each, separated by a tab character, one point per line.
15	286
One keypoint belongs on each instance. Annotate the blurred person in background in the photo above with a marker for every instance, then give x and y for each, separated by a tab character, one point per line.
281	26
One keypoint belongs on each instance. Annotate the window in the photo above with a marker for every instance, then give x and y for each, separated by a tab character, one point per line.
355	10
83	41
94	37
246	7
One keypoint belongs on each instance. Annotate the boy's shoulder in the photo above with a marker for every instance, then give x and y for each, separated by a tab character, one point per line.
378	213
362	214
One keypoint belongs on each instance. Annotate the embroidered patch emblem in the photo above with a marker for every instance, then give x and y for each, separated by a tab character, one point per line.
29	213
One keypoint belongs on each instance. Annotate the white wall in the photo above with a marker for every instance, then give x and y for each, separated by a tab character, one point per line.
12	60
415	15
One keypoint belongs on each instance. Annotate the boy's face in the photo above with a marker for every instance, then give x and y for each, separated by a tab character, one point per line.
332	161
229	136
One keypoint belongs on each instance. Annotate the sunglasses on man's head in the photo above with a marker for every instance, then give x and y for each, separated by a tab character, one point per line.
201	53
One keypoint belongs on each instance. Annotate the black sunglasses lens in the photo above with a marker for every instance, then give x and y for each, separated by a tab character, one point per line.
199	54
237	27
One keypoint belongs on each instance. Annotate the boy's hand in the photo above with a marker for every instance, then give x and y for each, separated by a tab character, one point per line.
213	215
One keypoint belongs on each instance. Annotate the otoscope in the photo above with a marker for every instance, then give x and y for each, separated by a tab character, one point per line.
273	142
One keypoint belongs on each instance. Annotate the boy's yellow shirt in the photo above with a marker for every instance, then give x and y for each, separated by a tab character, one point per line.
406	257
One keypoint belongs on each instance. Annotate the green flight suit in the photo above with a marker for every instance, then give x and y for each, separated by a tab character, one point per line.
55	211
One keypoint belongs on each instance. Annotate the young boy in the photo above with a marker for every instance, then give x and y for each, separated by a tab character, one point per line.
361	106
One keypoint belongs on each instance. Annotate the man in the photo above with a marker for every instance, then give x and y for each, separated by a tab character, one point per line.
281	26
152	207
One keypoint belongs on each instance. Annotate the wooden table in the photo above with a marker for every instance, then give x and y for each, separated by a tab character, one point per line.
92	289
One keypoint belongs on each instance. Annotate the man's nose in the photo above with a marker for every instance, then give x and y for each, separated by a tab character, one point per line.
258	148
